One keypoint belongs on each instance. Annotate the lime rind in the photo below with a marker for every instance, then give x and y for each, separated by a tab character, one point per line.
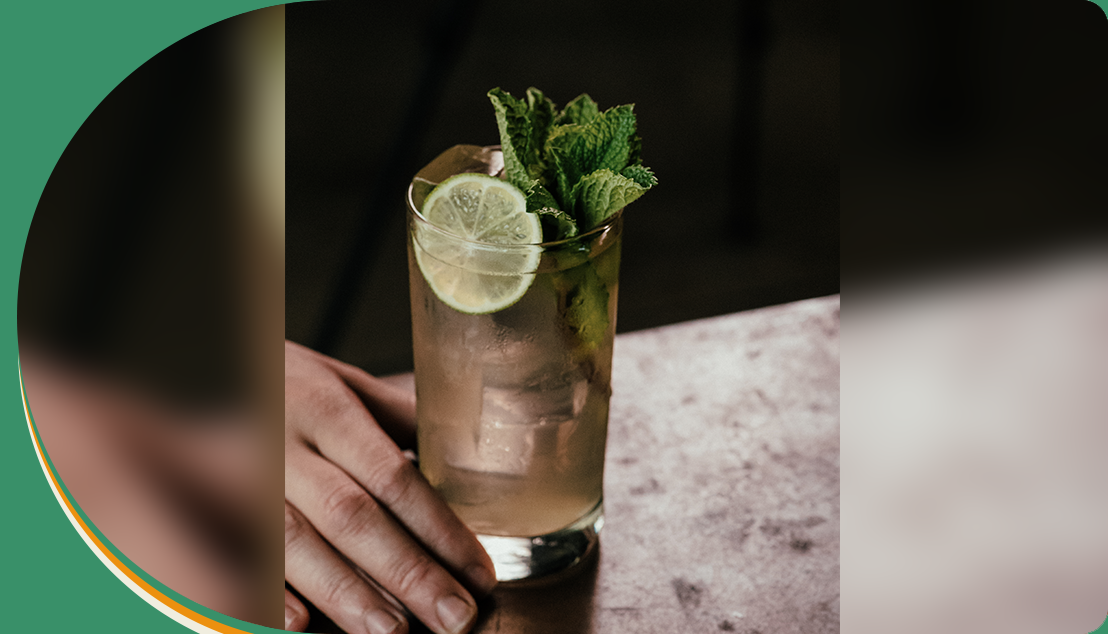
479	253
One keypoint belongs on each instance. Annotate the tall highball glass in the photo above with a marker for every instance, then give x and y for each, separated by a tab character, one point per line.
512	405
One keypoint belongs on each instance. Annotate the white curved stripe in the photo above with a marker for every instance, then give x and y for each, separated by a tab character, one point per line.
146	596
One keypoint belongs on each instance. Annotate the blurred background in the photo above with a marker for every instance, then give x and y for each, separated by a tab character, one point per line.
975	135
737	103
975	341
150	316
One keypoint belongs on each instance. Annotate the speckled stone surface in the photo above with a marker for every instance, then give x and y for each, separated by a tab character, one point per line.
721	486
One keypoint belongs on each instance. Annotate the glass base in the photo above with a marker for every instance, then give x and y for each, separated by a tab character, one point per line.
518	558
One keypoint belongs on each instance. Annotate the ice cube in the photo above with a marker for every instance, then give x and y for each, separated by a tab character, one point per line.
521	427
550	398
463	158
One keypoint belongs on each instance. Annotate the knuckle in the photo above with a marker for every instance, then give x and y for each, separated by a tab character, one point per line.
315	396
337	589
295	529
348	509
324	401
411	573
392	481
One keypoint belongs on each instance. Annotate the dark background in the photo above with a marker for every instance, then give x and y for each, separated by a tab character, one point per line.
738	106
975	137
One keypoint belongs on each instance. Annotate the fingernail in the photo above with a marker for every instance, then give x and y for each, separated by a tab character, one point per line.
381	622
481	578
454	613
290	616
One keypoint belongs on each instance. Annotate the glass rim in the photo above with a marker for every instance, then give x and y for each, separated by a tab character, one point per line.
544	246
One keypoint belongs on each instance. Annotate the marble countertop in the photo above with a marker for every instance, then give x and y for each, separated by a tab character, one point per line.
721	486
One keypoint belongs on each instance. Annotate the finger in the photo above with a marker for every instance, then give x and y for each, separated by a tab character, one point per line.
365	532
296	615
393	407
320	575
352	441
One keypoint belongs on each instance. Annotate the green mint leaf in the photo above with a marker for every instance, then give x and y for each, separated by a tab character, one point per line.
584	296
581	110
543	111
641	175
539	197
556	224
516	123
601	194
559	167
605	141
634	157
574	150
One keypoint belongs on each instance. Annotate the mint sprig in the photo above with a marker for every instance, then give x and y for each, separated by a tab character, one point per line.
580	161
577	167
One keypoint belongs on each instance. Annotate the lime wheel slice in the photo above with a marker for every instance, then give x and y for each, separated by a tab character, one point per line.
481	253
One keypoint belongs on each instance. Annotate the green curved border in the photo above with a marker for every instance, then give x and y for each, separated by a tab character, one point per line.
60	59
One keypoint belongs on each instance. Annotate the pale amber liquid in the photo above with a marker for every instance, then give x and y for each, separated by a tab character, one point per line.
512	410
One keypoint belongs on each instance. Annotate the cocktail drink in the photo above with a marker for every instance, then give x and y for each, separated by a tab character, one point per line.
512	339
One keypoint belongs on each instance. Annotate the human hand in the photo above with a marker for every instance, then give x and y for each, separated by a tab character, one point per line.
364	532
